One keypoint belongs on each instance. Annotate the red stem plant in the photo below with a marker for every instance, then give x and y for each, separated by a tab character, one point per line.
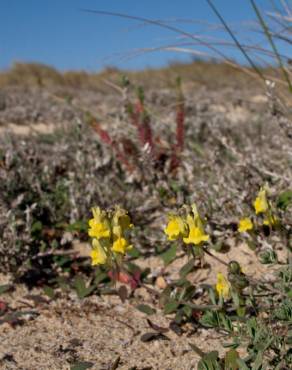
106	139
140	118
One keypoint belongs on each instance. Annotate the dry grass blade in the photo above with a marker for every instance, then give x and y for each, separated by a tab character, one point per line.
161	24
238	44
273	45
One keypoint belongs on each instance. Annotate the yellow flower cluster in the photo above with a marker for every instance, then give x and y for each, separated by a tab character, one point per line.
109	232
189	228
262	206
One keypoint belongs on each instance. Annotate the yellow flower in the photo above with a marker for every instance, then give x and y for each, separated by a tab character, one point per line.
98	226
122	219
121	245
271	221
196	231
121	222
222	286
97	254
175	228
245	224
261	203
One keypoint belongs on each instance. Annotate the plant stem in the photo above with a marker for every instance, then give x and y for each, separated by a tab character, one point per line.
215	257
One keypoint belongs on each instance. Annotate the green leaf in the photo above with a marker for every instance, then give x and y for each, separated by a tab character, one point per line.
81	365
197	350
212	295
144	273
268	257
146	309
148	337
100	277
62	260
169	255
183	282
132	268
209	319
49	291
242	364
80	287
175	186
5	288
164	296
258	364
171	307
63	283
235	297
241	311
187	268
179	316
225	322
36	228
187	311
134	252
79	226
231	360
210	361
188	292
284	199
218	247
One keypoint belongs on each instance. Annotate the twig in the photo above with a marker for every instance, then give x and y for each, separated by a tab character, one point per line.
215	257
53	252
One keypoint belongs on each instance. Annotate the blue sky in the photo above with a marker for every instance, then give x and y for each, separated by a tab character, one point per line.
58	33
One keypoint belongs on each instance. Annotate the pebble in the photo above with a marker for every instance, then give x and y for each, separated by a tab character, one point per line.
160	282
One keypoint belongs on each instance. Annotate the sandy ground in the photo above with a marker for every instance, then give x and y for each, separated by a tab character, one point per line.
24	130
101	329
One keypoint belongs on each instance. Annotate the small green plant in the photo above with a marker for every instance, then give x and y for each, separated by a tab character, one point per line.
254	314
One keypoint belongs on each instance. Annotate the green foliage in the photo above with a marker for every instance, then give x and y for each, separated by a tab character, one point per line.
5	288
171	307
146	309
77	226
187	268
231	360
81	365
210	361
49	292
284	199
215	319
81	288
284	311
268	256
169	255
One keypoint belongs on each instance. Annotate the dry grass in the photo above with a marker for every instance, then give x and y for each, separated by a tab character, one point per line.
201	72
